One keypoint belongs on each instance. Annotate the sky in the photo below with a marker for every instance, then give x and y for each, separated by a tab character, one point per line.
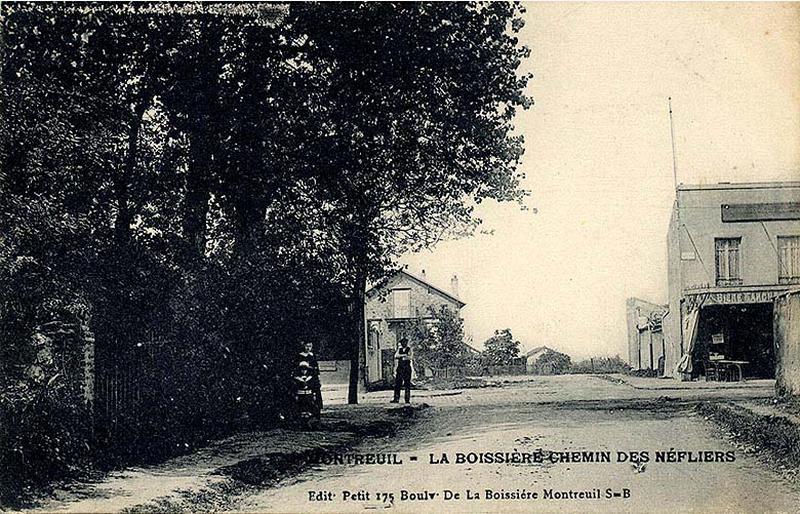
598	160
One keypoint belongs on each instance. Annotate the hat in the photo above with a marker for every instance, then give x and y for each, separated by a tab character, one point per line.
304	364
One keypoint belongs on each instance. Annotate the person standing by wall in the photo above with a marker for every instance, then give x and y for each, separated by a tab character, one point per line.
404	356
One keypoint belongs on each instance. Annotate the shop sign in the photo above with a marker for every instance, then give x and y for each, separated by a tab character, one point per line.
735	297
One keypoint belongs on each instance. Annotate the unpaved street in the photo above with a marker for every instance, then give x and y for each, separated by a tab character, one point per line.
539	416
549	415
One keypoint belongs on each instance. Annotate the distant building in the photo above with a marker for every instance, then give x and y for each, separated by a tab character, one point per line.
646	346
732	248
532	355
534	364
389	309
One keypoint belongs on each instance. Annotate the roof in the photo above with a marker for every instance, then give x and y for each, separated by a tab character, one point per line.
740	185
537	350
472	349
422	282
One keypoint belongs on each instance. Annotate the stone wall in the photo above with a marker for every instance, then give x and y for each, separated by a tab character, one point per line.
786	330
334	372
68	348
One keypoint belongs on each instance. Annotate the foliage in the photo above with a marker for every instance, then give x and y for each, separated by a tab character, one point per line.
44	431
416	127
211	182
438	341
501	349
600	365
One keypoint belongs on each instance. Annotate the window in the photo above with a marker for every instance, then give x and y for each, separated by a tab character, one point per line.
728	261
789	259
401	302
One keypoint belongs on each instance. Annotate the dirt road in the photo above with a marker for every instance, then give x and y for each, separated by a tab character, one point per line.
538	420
548	418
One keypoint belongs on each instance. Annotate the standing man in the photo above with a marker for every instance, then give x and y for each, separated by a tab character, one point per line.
307	355
403	357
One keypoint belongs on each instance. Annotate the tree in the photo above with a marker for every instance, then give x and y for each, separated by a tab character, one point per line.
118	167
552	362
415	127
501	349
211	181
438	341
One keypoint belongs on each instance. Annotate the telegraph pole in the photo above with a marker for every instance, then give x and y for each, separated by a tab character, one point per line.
672	137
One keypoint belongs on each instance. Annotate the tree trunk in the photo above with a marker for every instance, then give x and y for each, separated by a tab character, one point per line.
202	141
358	358
249	212
198	194
122	225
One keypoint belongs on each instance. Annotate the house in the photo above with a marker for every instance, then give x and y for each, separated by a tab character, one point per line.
646	346
389	311
532	355
471	350
731	250
555	364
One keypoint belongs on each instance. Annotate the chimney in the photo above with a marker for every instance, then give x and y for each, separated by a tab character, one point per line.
424	277
454	286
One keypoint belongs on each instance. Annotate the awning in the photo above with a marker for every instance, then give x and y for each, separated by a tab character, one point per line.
735	295
690	322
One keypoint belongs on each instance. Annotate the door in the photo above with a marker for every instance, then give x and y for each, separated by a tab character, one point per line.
373	354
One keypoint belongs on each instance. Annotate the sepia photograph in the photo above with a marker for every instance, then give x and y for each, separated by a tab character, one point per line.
301	257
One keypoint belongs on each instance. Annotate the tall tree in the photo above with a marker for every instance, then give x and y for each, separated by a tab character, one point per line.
417	126
501	349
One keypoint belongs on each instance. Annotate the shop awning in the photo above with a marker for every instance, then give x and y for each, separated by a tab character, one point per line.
735	295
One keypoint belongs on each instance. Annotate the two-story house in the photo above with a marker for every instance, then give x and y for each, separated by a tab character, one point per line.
388	310
731	249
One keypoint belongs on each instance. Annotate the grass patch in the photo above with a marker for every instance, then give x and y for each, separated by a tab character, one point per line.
775	435
263	471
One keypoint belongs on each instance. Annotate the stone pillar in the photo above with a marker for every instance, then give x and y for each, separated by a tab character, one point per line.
87	370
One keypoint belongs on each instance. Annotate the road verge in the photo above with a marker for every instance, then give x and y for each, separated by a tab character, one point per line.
759	427
212	478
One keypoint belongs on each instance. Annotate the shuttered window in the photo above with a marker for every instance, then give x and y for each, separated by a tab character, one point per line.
789	259
401	303
728	261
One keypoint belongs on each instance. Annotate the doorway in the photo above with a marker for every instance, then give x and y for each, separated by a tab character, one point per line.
739	332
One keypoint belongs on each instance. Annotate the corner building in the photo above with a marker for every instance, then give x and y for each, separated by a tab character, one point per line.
731	249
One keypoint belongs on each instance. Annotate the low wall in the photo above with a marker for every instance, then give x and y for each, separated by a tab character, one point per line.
334	372
786	330
500	370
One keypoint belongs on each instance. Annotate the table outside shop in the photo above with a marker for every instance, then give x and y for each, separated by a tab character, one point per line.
730	365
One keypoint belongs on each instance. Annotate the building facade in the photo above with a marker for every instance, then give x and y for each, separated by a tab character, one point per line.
646	345
731	249
389	310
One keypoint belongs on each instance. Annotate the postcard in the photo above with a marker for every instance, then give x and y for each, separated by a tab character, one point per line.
348	257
